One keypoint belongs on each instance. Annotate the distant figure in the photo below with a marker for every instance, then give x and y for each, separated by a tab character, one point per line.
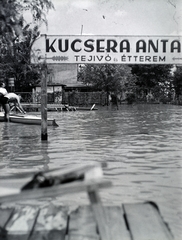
4	101
15	100
149	97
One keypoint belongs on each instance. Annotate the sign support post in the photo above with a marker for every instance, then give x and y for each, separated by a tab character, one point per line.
44	135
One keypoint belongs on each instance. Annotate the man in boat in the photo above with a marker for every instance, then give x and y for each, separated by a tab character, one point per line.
4	101
14	102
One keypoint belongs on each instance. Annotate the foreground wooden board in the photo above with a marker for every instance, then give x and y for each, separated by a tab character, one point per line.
145	222
21	223
116	223
5	215
51	223
82	224
127	222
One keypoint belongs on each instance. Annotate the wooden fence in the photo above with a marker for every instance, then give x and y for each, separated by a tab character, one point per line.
73	98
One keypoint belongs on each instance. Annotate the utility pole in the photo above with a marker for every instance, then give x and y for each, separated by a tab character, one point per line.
44	135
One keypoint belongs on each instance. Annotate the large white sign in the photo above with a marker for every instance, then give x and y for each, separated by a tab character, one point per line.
81	49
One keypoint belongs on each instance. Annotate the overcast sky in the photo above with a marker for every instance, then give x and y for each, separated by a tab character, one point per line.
115	17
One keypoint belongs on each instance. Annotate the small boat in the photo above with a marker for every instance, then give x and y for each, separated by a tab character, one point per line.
27	119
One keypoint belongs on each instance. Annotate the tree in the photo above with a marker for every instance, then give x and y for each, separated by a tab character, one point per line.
114	79
16	61
177	82
154	79
17	38
12	16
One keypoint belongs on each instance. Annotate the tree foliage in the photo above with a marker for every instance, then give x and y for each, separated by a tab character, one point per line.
12	15
17	37
16	63
136	81
110	78
177	81
154	79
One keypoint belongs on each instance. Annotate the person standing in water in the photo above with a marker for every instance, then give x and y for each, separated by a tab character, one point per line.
4	101
15	100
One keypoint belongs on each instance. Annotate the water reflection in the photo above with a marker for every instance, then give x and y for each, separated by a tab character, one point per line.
142	145
21	148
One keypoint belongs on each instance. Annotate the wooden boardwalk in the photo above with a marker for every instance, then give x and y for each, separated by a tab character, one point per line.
140	221
126	222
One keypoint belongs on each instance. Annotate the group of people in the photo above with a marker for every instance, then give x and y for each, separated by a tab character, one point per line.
6	99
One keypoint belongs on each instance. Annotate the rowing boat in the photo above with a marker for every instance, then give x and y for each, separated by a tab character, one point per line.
27	119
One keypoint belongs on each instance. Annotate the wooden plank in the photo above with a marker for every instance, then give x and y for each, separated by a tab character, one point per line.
99	214
51	223
82	225
59	176
5	215
20	225
145	222
58	190
116	223
74	172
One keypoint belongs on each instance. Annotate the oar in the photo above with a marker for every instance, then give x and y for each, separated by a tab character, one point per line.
16	107
92	107
52	180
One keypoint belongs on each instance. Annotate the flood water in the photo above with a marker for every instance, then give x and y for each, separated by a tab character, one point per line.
142	145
